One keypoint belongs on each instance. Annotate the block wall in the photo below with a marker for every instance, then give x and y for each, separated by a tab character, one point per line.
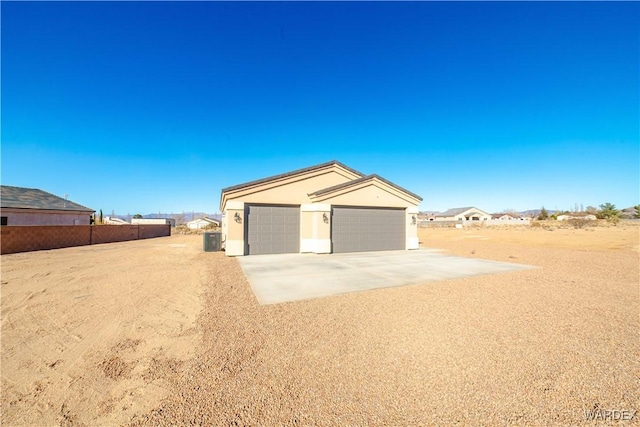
35	238
38	237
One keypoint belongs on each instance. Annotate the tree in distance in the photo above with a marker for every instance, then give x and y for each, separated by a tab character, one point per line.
543	214
609	212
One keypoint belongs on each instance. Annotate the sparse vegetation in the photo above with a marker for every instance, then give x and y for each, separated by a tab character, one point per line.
543	214
580	222
609	212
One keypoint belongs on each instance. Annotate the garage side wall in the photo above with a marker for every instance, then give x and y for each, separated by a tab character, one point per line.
234	228
412	228
315	228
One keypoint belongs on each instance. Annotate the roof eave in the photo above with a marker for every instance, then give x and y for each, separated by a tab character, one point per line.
294	173
359	181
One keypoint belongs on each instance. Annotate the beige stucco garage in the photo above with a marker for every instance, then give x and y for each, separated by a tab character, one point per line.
320	209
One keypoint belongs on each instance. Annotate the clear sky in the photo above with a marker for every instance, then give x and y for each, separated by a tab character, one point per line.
141	107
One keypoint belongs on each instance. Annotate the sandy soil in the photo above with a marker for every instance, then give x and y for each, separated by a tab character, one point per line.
158	333
90	334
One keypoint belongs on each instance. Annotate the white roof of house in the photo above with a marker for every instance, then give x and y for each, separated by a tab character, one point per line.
204	219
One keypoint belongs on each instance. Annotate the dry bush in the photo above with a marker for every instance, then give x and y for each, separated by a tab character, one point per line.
580	222
536	223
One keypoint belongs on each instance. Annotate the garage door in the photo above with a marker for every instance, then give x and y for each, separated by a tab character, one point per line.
367	229
272	229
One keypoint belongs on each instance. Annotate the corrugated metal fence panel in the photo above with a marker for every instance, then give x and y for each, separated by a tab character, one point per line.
272	229
367	229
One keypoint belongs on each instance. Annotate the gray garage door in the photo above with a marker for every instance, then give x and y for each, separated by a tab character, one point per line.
272	229
367	229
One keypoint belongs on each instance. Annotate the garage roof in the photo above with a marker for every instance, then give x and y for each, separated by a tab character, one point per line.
360	181
288	174
326	181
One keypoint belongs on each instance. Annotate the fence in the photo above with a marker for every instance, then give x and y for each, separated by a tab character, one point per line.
40	237
470	223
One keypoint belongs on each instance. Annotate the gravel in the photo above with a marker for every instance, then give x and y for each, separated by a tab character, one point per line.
532	347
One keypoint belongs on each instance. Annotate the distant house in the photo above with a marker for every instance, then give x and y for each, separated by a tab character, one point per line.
628	213
30	206
114	221
150	221
426	216
463	214
566	217
503	217
203	223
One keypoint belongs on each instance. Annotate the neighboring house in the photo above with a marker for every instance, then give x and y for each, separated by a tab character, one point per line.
320	209
463	214
576	216
152	221
203	223
30	206
628	213
427	216
114	221
503	217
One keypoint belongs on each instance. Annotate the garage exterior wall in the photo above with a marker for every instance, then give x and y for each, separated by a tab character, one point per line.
338	187
290	190
370	194
315	229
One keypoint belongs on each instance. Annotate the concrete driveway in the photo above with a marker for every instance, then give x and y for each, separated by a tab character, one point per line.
292	277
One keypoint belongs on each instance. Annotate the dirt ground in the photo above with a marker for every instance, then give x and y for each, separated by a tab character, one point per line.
157	332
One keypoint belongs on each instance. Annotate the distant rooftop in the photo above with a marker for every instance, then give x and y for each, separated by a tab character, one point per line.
32	198
455	211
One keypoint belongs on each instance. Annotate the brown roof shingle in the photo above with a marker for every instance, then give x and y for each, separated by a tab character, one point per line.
32	198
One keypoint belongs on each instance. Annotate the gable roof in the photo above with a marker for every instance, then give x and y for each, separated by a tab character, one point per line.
32	198
499	215
292	173
205	219
361	180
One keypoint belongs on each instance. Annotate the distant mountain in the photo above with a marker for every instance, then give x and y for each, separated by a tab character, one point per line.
536	212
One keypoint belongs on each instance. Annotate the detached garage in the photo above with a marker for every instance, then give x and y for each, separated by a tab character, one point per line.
320	209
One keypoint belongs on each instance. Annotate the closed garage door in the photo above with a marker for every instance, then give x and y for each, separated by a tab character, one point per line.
367	229
272	229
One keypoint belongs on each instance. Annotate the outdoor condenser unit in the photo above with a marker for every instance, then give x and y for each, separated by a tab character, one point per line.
212	241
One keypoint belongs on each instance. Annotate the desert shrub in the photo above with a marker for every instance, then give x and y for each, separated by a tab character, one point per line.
579	222
613	220
543	214
539	224
608	211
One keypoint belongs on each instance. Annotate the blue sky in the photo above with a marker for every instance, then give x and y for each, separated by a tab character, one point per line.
141	107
